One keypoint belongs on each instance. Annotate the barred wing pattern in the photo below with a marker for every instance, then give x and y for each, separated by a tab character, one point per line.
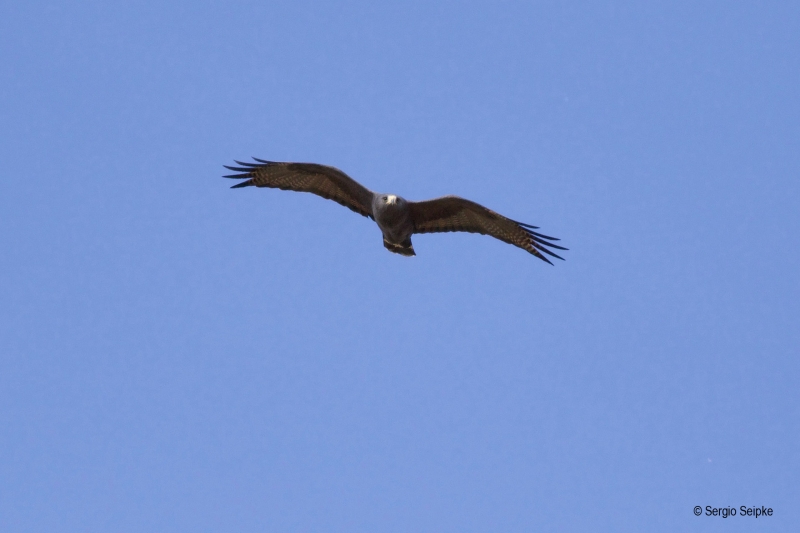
327	182
452	213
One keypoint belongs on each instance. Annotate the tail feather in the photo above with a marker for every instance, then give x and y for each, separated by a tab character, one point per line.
404	248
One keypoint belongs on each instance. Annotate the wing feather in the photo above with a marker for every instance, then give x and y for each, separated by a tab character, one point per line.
452	213
327	182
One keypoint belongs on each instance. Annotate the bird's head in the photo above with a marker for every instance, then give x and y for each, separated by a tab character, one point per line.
391	200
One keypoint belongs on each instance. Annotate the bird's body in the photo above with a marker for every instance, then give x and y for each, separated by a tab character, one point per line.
392	215
396	217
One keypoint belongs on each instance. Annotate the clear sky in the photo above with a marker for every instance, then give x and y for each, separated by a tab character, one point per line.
179	356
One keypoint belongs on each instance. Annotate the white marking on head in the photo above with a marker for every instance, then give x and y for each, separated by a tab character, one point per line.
391	199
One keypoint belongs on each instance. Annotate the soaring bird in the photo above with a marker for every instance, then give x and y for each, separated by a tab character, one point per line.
396	217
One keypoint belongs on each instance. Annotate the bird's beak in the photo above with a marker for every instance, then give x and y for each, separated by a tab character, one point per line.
391	199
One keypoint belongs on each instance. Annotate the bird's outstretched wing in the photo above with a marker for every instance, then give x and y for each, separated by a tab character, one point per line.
451	213
328	182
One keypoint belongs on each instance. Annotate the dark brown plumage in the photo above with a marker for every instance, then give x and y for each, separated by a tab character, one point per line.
328	182
397	218
452	213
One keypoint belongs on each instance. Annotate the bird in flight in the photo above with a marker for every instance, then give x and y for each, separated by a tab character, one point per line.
396	217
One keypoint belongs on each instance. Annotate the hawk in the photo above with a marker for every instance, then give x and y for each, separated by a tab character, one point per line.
396	217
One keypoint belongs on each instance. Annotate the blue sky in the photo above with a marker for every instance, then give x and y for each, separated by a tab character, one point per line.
177	356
